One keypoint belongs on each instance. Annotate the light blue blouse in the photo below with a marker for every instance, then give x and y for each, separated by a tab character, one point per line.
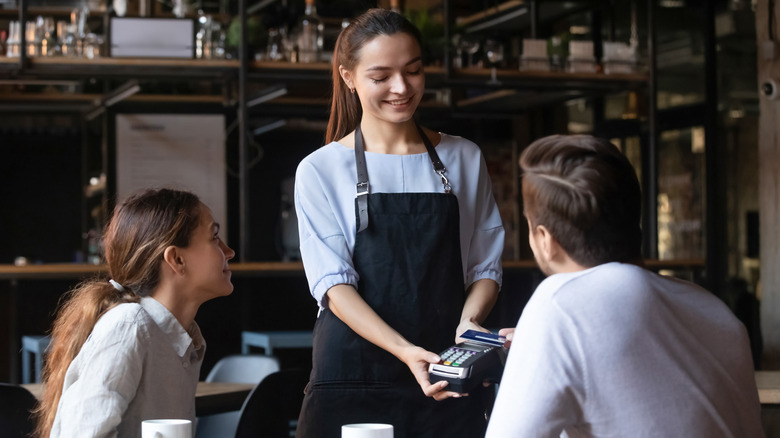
325	205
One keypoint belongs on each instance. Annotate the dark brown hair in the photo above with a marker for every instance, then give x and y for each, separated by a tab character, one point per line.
345	110
140	230
586	193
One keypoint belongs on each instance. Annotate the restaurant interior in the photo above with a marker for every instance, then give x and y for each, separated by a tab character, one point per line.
94	106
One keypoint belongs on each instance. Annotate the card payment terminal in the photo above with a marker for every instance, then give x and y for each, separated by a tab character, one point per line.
469	363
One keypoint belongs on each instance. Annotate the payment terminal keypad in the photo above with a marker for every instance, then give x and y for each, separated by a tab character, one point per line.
457	356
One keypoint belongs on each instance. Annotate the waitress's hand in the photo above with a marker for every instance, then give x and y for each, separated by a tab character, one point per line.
467	324
418	359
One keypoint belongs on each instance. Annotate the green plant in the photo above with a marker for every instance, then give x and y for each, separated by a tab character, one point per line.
432	31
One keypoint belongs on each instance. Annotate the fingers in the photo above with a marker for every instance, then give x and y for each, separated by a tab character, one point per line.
447	394
432	390
438	393
507	333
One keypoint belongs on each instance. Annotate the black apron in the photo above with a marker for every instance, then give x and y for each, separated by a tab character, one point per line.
407	256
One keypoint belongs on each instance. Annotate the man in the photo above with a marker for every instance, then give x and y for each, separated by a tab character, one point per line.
605	347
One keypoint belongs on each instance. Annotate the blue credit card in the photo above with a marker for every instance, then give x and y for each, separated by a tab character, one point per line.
484	338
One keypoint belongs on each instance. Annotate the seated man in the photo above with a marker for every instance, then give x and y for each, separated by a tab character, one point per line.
605	347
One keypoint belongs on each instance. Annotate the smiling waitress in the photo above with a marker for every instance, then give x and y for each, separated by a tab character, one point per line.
401	242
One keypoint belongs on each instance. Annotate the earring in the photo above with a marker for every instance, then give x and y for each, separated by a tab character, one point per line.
352	90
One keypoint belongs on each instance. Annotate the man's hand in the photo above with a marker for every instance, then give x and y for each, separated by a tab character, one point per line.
508	333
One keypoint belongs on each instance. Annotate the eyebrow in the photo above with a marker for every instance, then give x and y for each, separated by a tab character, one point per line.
379	67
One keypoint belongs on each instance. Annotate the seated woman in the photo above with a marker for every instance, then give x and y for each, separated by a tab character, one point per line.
127	349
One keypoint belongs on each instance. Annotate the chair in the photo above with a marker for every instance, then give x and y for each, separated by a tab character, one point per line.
16	405
270	340
33	346
272	408
244	368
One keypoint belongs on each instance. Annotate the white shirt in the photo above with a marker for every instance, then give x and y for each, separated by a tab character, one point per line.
618	351
325	189
137	364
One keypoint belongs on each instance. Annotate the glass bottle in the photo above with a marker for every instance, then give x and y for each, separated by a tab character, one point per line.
32	38
62	28
49	40
12	45
69	42
395	6
309	38
2	43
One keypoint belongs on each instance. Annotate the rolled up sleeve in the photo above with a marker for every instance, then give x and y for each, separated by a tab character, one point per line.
325	252
486	247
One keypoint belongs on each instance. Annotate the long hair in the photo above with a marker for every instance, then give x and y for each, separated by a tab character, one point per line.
585	191
135	240
345	110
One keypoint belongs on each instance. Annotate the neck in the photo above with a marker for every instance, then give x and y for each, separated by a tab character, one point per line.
392	138
184	310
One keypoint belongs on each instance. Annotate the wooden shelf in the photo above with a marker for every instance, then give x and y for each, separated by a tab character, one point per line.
65	67
265	269
513	16
89	98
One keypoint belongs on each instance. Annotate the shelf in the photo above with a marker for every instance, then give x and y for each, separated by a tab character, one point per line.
514	16
265	269
63	67
512	78
189	68
56	11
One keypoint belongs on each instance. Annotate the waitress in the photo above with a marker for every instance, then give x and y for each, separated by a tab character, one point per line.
401	242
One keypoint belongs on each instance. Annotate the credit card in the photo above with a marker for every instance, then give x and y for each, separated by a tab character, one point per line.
484	338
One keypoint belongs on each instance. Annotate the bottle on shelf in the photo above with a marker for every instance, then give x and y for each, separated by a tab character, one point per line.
395	6
68	41
49	40
2	43
12	48
310	34
32	38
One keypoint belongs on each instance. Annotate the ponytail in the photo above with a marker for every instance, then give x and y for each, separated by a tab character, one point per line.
345	110
83	306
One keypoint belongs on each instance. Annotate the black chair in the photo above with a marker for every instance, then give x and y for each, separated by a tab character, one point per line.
16	405
271	409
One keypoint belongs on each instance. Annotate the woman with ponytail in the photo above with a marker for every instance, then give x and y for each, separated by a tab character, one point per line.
401	242
127	348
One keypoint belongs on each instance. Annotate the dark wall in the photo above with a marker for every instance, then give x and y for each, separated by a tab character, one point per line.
40	174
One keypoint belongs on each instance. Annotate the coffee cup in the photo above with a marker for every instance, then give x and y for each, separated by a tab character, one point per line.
166	428
367	430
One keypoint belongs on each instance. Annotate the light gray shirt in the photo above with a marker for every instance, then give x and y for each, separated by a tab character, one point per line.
137	364
619	351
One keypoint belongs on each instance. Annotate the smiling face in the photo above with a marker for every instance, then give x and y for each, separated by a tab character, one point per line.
207	258
388	78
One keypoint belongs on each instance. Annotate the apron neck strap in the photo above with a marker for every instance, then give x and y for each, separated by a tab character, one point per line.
363	187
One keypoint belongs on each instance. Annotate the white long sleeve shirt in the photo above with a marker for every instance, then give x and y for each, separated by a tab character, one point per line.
619	351
137	364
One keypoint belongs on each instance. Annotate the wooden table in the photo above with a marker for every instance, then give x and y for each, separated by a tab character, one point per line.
768	383
210	398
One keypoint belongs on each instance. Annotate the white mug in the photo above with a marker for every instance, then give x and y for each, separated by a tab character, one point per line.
367	430
166	429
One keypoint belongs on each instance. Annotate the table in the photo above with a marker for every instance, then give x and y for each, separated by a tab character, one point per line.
210	397
768	383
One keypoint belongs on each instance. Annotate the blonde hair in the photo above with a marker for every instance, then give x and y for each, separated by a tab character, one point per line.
135	240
